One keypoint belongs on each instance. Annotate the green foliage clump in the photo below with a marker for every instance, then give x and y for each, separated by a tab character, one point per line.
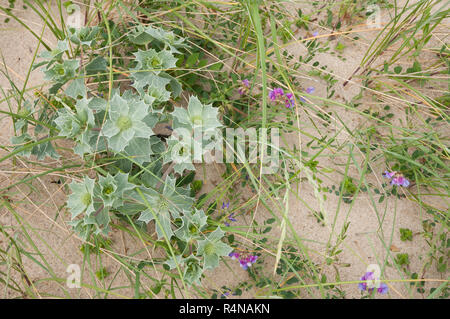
117	125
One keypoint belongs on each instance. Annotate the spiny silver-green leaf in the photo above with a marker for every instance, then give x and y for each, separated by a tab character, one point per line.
62	72
112	189
166	205
125	122
72	123
212	248
151	87
193	222
154	61
81	200
196	115
77	89
84	35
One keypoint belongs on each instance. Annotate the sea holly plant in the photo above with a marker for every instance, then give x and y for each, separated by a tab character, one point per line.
192	268
112	189
164	206
85	36
118	125
154	61
81	200
193	223
143	35
150	73
211	248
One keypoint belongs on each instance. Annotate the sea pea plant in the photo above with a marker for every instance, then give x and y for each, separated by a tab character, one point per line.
116	125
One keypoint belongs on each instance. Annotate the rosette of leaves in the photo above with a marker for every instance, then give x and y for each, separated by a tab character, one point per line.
112	189
94	200
79	125
193	223
179	152
197	126
191	265
57	69
85	36
212	248
81	200
143	35
125	122
196	116
151	87
163	206
61	73
154	61
168	38
150	80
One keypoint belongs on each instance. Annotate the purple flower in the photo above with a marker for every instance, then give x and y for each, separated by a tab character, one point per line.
243	264
396	178
230	218
245	261
400	181
234	255
226	205
243	89
310	89
382	289
252	259
388	174
315	34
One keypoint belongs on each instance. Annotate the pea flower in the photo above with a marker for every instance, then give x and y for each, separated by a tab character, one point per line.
228	292
234	255
247	261
230	218
243	89
397	178
315	34
310	89
382	289
289	100
276	94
